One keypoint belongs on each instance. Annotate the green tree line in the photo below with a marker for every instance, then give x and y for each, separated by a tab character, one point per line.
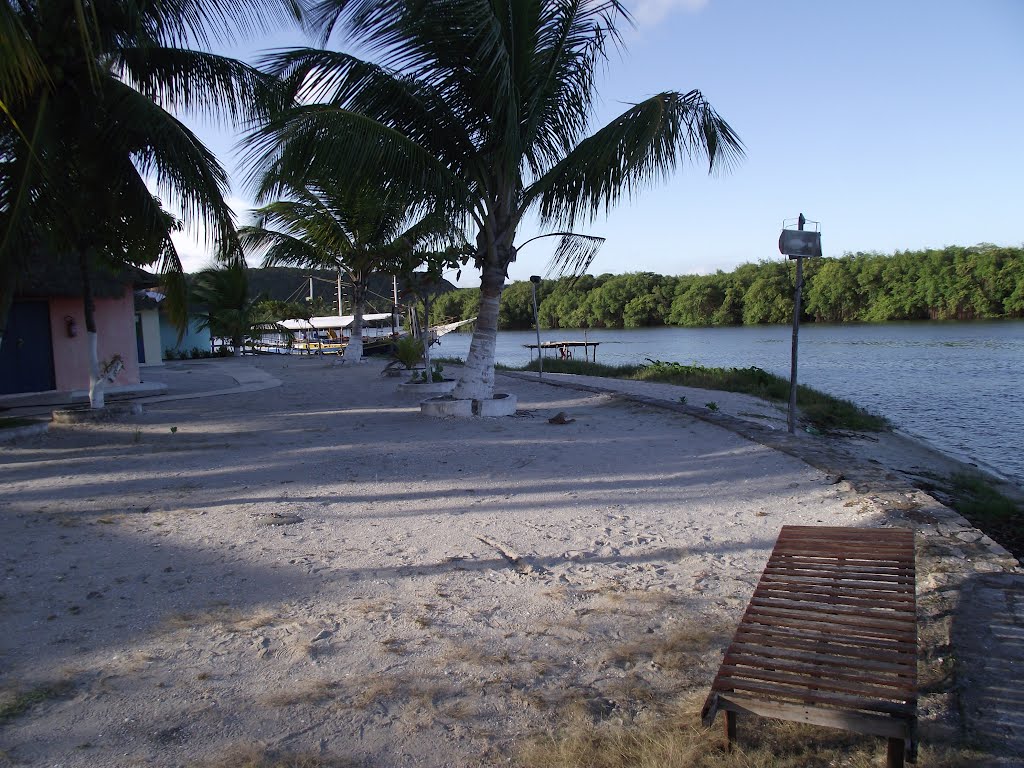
954	283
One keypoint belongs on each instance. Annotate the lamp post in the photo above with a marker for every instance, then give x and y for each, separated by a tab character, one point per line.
796	244
534	282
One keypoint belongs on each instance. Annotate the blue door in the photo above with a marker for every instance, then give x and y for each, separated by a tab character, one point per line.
26	356
140	342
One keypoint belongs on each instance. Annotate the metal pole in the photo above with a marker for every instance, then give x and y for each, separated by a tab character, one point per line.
394	305
536	324
791	420
341	310
426	336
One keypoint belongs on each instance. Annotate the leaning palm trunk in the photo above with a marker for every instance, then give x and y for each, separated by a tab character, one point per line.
477	381
354	350
96	382
8	272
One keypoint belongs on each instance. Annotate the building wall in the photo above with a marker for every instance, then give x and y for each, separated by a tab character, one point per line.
115	328
194	337
151	337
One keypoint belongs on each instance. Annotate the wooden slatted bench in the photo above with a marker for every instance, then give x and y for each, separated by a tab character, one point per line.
829	638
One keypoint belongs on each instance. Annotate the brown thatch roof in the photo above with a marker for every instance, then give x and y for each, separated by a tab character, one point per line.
50	275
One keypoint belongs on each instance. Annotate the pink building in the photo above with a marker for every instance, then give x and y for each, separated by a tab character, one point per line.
45	345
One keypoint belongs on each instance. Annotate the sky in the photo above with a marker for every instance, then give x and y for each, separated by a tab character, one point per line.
896	125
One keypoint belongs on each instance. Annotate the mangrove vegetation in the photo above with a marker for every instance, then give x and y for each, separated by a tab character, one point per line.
953	283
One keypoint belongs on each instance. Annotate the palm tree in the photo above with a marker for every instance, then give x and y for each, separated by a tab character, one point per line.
482	107
230	312
358	233
86	123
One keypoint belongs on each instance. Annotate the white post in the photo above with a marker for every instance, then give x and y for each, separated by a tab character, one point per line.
340	307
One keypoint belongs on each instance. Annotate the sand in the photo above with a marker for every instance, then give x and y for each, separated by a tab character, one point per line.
451	587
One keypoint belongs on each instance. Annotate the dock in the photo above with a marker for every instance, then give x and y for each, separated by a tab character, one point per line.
565	349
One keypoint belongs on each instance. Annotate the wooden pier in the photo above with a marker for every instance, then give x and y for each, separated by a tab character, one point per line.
565	349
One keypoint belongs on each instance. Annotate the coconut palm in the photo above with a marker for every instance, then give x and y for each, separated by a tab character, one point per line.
229	311
483	107
86	94
358	233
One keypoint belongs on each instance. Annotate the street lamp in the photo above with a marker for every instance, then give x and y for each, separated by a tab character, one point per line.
534	282
796	244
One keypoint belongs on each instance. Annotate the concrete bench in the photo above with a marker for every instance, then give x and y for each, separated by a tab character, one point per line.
829	638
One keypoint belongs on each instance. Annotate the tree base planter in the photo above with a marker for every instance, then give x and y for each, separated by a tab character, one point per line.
8	434
502	404
88	415
427	388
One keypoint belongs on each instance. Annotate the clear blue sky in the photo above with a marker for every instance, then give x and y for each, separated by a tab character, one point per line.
897	125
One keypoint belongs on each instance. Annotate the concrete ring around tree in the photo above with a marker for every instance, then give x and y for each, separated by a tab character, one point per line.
502	404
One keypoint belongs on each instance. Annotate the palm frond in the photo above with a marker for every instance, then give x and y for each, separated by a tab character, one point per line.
324	142
187	174
278	248
574	254
400	102
643	145
202	83
571	46
187	22
21	68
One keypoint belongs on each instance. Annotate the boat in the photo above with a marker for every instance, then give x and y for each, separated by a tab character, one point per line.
326	335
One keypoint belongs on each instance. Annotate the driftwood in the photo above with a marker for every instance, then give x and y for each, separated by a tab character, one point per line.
514	558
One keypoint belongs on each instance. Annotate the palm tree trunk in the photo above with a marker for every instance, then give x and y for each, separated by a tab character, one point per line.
354	350
477	381
96	382
426	336
8	272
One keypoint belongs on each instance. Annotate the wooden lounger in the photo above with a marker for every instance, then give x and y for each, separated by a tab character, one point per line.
829	637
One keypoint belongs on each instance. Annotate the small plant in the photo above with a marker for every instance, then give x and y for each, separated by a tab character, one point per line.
17	702
174	430
408	351
682	399
712	406
436	372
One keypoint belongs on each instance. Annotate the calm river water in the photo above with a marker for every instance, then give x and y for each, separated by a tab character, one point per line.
958	385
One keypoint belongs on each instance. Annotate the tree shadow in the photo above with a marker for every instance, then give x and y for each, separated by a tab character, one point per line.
988	638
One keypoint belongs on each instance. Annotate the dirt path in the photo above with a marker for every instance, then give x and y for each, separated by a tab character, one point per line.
153	614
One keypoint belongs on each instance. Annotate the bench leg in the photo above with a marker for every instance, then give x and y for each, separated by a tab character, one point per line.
730	730
894	754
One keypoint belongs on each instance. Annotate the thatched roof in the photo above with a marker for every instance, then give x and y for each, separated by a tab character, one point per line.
48	275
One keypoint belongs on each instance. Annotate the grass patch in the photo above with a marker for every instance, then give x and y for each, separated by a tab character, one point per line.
228	619
455	360
13	422
311	692
978	500
254	757
17	701
666	742
673	651
818	408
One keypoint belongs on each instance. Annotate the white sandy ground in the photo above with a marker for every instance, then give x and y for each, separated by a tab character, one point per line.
383	628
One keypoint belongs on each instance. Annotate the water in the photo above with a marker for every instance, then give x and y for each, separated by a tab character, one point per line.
958	385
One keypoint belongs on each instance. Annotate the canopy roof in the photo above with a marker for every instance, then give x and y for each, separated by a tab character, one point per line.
332	321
